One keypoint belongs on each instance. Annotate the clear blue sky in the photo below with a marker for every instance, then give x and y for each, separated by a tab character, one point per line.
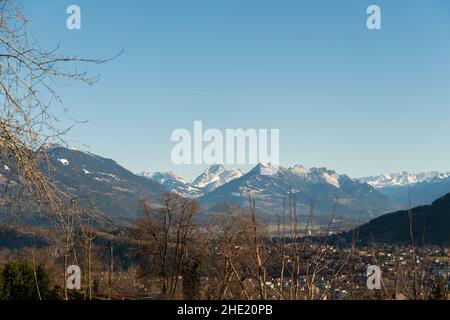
358	101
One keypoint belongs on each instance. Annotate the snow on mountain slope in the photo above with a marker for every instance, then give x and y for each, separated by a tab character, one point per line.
269	185
268	169
92	179
174	183
216	176
403	179
164	177
212	178
417	189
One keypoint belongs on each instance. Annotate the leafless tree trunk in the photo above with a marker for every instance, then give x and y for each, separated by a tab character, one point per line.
111	268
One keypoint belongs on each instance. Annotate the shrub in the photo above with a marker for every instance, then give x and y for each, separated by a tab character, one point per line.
18	281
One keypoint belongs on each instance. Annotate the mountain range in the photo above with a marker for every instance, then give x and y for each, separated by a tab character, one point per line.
411	189
271	185
116	190
318	189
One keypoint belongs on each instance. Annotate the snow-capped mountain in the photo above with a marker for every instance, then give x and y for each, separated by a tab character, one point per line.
317	175
269	185
212	178
117	191
165	177
216	176
174	183
404	179
420	189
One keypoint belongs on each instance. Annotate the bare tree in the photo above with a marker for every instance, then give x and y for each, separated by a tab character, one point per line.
29	78
230	235
168	234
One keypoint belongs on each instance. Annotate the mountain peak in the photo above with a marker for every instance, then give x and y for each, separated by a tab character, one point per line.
163	177
212	178
215	168
266	169
215	176
299	169
46	147
269	184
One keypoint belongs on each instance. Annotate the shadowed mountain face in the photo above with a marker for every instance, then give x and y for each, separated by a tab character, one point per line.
431	225
422	193
114	189
18	237
96	180
269	185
